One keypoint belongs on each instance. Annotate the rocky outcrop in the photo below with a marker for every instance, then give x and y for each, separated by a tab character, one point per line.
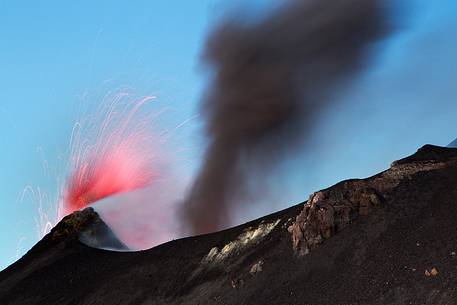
332	210
328	212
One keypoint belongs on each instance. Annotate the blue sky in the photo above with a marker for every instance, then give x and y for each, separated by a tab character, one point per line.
56	56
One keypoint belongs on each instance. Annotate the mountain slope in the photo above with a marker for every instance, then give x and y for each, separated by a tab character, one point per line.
453	144
387	239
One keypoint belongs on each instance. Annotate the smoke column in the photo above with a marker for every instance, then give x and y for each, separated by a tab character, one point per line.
270	79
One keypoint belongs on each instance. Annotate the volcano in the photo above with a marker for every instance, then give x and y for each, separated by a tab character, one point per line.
387	239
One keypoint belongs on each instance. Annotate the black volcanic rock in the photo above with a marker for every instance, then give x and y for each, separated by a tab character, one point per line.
85	226
54	249
387	239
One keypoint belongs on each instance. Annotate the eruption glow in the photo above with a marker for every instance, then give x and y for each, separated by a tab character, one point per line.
113	152
110	153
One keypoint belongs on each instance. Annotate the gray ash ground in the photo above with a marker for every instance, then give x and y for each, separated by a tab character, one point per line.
387	239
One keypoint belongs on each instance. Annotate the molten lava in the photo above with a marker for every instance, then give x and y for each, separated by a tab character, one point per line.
120	169
112	156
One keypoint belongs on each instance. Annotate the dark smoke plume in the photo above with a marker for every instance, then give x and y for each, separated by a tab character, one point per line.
270	79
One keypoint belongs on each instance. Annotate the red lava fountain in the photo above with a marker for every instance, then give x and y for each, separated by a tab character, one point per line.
110	153
119	170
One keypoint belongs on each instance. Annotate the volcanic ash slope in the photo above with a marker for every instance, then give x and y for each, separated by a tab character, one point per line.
388	239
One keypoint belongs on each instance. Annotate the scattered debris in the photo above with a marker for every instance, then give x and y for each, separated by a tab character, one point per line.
432	272
257	267
236	283
248	237
287	223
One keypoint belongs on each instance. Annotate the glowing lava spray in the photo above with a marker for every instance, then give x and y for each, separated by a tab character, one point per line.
110	153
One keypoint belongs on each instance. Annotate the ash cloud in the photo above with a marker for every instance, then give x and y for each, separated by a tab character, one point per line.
270	80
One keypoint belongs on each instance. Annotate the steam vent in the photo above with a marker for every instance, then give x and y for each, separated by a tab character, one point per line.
387	239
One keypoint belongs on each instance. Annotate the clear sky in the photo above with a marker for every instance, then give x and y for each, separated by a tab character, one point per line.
57	55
